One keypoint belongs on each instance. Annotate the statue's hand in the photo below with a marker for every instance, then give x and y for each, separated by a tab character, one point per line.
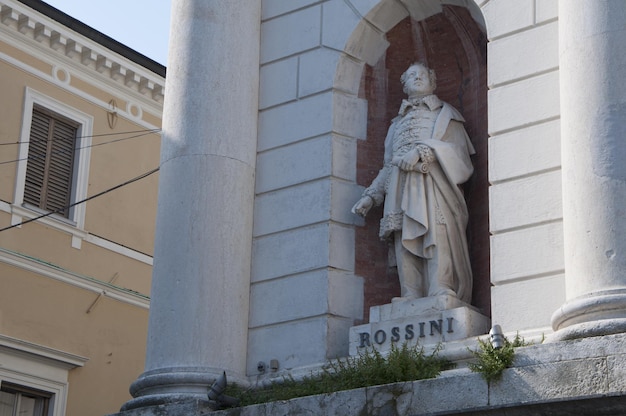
363	206
408	161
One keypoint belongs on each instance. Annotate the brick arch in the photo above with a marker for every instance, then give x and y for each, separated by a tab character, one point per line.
451	39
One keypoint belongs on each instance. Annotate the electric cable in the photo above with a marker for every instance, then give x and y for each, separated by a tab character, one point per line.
84	137
135	179
145	133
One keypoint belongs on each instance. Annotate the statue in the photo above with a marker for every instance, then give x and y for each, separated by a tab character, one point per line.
427	157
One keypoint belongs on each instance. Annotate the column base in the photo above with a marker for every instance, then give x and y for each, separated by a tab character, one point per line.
182	407
596	314
167	386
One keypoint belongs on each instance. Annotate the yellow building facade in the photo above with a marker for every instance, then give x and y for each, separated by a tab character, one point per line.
80	118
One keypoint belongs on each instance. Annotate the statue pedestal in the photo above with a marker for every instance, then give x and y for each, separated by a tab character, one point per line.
424	321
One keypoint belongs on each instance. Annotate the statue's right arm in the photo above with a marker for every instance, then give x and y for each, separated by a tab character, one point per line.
373	194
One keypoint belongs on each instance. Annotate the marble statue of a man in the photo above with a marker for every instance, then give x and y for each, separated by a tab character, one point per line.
427	157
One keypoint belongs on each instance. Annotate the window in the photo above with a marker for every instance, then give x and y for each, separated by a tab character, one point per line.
18	400
50	166
53	164
34	378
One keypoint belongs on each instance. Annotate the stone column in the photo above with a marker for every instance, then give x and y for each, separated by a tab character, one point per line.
201	278
592	36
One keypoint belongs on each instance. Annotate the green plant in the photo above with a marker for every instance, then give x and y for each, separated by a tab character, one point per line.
491	362
367	369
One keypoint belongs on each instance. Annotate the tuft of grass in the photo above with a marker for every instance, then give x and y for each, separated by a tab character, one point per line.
369	368
491	362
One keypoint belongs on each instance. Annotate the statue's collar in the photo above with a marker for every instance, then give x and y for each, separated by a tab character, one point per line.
431	101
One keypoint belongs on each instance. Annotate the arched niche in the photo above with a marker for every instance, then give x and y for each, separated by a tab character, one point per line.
449	36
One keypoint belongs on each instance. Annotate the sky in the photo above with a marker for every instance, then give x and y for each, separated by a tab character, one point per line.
142	25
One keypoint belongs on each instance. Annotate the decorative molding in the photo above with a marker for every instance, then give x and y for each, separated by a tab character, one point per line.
60	358
18	213
64	44
87	283
82	94
119	249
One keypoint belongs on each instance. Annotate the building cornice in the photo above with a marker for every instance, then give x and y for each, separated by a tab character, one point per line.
99	37
98	54
84	282
60	358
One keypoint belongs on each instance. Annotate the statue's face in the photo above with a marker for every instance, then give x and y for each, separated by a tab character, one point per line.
417	81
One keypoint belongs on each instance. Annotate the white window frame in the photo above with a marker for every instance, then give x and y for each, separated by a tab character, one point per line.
38	367
75	223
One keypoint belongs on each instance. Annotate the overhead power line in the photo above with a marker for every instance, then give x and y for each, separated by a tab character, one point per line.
135	179
147	131
144	133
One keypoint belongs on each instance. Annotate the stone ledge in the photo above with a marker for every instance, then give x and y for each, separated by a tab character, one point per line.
582	377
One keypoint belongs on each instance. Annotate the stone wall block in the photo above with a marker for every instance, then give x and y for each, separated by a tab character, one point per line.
312	117
343	197
427	396
338	23
366	44
292	207
383	15
525	151
334	404
298	343
273	8
389	399
348	75
343	157
289	123
435	395
317	71
301	250
341	251
536	51
345	294
349	116
289	165
422	10
290	34
522	103
506	16
612	347
546	10
304	295
305	161
526	201
550	381
304	344
279	82
616	367
531	251
527	304
290	252
289	298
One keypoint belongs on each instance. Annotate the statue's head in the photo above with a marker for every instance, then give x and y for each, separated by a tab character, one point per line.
418	80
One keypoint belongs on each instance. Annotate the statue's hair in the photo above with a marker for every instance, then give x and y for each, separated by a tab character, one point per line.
431	74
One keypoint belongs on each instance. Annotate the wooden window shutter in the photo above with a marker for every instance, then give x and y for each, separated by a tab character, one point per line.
50	162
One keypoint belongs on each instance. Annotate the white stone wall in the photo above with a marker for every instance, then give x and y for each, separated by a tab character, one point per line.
524	163
304	294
